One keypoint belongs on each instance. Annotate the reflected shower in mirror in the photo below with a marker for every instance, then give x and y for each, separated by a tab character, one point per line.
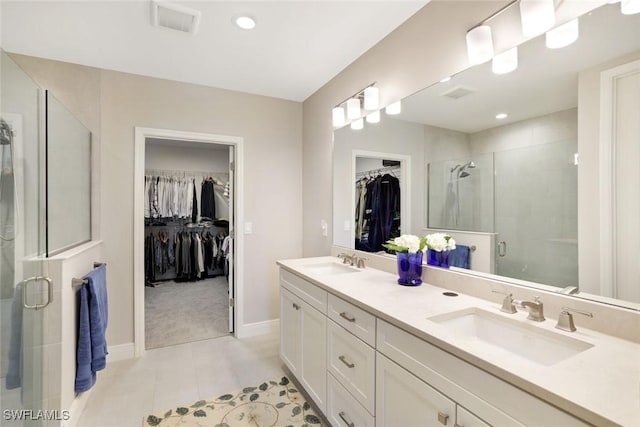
511	164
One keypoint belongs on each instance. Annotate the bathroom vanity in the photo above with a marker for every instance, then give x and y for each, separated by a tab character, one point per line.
370	352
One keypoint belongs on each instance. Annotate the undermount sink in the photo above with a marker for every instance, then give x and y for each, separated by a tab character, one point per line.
330	268
525	340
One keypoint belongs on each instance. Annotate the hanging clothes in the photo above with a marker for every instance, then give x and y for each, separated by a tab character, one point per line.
378	212
208	205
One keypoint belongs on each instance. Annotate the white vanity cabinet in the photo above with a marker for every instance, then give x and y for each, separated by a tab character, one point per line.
362	371
479	395
303	331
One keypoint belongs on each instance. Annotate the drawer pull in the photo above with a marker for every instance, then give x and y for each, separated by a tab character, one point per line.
343	359
345	316
443	418
346	419
296	306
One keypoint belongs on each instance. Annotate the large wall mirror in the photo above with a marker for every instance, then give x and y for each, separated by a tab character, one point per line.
537	170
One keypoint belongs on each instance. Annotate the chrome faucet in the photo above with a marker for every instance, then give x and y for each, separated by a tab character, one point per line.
535	308
352	260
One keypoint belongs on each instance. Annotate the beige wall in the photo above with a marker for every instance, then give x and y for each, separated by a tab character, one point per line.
112	104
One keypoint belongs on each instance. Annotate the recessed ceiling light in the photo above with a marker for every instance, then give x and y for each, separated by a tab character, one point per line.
446	79
245	22
501	116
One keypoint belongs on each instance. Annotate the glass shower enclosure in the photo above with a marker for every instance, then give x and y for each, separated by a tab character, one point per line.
527	197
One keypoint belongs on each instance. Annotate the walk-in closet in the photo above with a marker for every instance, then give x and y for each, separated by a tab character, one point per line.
187	248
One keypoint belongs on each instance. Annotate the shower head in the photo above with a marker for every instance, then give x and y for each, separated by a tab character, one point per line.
470	165
463	174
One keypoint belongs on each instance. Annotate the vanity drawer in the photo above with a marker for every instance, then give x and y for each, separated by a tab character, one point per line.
353	319
502	404
342	409
313	295
352	363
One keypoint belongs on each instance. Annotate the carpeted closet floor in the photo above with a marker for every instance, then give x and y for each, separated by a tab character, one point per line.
182	312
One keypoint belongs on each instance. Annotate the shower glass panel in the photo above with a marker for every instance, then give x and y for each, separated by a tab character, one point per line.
536	213
68	179
461	194
21	248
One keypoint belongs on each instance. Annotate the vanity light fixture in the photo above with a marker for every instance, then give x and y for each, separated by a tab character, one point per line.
479	44
353	109
505	62
630	7
537	16
353	106
373	117
371	96
501	116
244	22
394	108
563	35
357	124
337	115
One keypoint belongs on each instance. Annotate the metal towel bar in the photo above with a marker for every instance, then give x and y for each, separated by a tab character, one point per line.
75	283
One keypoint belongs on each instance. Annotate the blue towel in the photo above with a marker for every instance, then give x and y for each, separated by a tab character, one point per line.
459	257
92	325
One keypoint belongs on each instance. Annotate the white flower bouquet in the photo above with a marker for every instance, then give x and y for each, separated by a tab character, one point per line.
440	242
407	243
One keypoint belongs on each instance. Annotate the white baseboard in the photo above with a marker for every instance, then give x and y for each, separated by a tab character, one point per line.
77	408
258	328
120	352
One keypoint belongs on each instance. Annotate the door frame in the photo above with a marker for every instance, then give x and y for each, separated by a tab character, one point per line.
141	134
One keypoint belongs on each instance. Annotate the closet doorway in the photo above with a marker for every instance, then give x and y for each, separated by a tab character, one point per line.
186	228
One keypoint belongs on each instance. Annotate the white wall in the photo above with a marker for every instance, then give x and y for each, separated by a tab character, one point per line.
115	103
163	157
389	136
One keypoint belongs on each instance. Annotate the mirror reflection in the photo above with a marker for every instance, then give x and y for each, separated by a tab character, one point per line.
511	165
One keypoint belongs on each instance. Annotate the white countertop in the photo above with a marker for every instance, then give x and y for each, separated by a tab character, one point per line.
600	385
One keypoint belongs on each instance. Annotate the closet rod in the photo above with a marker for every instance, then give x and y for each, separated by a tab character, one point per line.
179	173
381	170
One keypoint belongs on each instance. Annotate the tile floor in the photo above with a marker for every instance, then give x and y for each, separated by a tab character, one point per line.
163	378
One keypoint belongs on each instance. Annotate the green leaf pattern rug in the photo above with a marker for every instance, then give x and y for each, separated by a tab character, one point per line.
271	404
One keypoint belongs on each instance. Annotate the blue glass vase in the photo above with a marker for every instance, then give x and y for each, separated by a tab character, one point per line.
409	268
433	258
438	259
444	259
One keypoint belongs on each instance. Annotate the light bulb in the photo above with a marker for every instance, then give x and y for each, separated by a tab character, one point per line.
630	7
338	116
373	117
537	16
394	108
505	62
357	125
563	35
353	109
371	98
479	44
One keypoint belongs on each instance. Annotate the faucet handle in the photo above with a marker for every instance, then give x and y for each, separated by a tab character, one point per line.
508	302
565	318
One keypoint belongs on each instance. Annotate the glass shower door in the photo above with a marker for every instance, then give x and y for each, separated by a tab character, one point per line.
25	292
536	206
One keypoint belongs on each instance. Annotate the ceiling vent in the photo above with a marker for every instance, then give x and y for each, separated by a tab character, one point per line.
458	92
174	16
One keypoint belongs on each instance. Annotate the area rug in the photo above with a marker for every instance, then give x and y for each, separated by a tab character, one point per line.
270	404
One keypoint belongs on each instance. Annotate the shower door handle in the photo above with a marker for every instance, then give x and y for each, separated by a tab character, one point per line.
25	287
502	248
